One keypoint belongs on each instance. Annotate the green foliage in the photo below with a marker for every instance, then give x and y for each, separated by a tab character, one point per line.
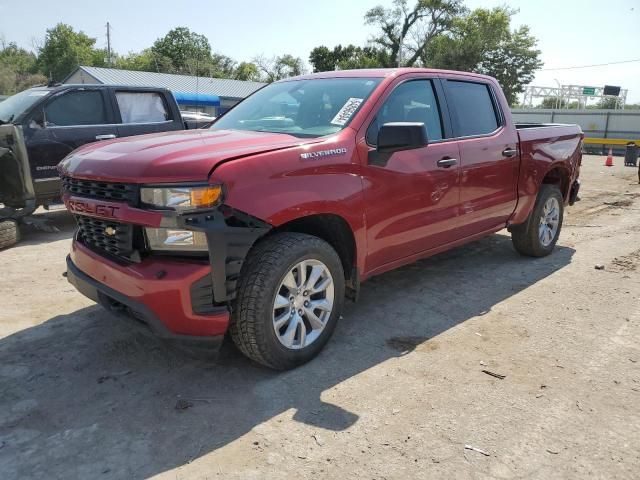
18	69
442	34
481	41
555	102
64	49
406	32
607	103
346	58
246	71
276	68
183	51
513	62
143	61
470	37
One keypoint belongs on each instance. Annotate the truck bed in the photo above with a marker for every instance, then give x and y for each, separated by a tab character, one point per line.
545	147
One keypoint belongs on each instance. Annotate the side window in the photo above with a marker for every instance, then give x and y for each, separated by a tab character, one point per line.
473	106
142	107
82	107
412	101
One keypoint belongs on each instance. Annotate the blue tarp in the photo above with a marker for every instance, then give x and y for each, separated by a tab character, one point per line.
184	98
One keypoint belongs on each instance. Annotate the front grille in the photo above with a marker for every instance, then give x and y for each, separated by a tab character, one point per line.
107	237
118	192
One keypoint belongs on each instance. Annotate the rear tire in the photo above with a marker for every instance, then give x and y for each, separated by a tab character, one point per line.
538	237
282	317
9	233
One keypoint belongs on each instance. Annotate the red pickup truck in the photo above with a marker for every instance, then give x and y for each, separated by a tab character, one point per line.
263	224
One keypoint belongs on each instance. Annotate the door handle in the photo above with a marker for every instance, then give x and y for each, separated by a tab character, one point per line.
105	137
509	152
447	162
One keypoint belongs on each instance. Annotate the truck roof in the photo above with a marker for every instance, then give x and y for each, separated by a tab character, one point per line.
382	72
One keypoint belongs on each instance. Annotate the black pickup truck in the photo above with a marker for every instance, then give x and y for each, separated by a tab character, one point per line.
41	125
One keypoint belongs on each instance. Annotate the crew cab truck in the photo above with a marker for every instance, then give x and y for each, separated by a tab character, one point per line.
262	225
41	125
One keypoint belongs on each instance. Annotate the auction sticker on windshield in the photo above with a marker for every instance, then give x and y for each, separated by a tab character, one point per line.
343	116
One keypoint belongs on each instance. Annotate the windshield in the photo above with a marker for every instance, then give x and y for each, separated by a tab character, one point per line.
15	105
304	108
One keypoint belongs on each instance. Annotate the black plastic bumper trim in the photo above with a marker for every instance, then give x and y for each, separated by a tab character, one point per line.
573	195
230	236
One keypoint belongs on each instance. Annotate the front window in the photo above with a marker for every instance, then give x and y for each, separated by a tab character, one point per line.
17	104
81	107
303	108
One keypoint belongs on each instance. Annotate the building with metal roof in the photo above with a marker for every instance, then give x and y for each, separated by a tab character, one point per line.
210	95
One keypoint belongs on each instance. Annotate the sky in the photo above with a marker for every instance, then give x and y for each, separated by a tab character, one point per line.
570	32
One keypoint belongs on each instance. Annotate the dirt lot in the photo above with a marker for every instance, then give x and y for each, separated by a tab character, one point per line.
398	393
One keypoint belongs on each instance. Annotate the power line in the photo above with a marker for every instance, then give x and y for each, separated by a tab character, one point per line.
589	66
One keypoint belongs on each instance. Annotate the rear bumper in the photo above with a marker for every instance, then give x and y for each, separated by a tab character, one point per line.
156	292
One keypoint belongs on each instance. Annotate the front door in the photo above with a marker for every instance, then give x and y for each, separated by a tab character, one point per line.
411	198
68	120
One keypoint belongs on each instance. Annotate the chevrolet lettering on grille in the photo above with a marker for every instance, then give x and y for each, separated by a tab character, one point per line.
76	206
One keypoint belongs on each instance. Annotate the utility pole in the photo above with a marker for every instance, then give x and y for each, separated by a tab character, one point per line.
108	44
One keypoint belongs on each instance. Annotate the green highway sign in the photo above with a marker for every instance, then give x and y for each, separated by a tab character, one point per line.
588	90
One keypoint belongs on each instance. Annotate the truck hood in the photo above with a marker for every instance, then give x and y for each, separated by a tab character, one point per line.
182	156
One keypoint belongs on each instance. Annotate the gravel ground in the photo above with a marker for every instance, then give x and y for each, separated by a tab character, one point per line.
398	393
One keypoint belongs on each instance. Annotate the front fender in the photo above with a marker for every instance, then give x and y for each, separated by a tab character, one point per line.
281	187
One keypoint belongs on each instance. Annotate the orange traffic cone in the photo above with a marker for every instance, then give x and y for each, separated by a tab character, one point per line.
609	162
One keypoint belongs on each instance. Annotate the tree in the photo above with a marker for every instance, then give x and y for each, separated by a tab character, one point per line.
18	69
183	51
555	102
608	103
481	41
347	58
322	59
246	71
276	68
144	61
513	63
221	66
469	39
406	33
65	49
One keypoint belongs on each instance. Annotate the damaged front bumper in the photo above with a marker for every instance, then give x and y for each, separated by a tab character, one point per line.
176	296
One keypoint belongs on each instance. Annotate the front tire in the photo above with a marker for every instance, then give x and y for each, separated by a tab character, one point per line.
290	296
538	237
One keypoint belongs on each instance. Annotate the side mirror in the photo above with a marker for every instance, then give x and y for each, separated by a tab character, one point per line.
397	136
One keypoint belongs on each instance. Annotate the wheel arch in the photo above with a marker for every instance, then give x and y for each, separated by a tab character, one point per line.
559	176
336	231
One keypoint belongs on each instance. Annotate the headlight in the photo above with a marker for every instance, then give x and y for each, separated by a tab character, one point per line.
172	240
182	198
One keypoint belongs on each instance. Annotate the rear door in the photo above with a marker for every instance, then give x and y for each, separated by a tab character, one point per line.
141	112
488	152
411	197
68	120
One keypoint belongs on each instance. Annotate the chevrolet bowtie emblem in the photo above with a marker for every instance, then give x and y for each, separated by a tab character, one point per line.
110	231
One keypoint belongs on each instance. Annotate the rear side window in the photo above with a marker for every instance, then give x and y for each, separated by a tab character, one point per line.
142	107
473	107
82	107
412	101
